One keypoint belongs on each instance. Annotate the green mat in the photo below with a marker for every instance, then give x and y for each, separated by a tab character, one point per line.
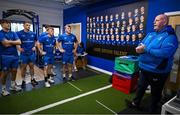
111	98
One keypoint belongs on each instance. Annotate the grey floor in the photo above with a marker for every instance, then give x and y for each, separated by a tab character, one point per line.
58	78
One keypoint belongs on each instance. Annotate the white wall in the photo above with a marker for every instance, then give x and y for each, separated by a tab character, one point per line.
49	12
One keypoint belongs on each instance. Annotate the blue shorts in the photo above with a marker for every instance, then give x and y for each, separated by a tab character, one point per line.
67	59
48	60
26	59
9	62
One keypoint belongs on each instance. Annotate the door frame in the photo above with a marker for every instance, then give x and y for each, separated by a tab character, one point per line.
172	13
169	82
73	24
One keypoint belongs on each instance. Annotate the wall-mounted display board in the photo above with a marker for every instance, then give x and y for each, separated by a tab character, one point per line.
116	31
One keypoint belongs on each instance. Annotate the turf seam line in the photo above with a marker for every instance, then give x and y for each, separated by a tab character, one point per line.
74	86
65	100
106	107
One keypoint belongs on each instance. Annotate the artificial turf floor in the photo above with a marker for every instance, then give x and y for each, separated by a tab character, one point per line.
27	101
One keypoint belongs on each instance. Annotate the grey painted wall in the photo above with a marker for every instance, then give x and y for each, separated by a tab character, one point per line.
49	12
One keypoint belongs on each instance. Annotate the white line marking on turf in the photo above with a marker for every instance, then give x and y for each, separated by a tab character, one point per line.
106	107
65	101
74	86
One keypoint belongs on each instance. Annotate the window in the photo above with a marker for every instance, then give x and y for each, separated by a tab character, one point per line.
17	26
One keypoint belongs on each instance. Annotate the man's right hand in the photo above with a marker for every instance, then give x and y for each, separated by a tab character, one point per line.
140	49
21	49
43	53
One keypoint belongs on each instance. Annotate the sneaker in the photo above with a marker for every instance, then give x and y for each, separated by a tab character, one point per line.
50	80
84	68
34	82
64	79
131	104
5	93
71	78
23	85
75	69
148	90
54	74
15	88
47	85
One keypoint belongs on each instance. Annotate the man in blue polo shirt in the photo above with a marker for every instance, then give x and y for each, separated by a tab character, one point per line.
27	50
68	46
48	43
9	56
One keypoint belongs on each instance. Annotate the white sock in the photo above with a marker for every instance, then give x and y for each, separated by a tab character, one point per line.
32	77
3	87
12	83
64	75
23	79
70	75
75	67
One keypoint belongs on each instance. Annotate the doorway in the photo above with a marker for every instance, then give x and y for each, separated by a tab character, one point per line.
76	30
174	79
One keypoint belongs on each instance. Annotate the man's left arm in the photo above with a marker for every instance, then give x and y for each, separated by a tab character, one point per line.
16	40
75	46
168	48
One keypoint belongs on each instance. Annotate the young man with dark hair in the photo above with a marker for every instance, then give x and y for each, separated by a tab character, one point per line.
9	40
46	47
68	46
27	50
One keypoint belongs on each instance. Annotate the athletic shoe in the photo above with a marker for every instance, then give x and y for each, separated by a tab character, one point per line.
71	78
64	80
84	68
47	85
132	105
15	88
23	85
34	82
53	73
5	93
50	80
148	90
75	69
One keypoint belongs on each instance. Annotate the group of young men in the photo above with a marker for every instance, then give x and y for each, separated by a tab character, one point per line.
26	42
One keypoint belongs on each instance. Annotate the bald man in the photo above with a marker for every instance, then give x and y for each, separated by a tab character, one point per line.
155	61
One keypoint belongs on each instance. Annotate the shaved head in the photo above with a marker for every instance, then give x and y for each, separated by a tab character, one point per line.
164	18
160	22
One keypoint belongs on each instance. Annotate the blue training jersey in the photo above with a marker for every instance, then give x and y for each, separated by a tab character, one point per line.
11	50
28	40
42	35
48	44
67	42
